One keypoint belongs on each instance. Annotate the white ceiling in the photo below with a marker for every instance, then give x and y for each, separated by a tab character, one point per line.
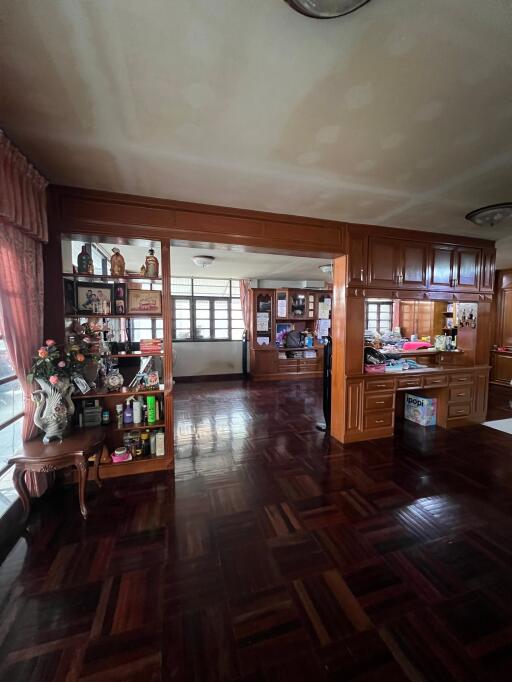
230	263
399	114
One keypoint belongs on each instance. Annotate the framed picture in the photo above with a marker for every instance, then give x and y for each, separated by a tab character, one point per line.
69	297
120	298
93	299
144	302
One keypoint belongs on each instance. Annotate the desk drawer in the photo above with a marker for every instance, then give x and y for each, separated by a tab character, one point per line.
378	420
461	378
436	381
459	410
288	365
410	382
460	394
379	401
380	384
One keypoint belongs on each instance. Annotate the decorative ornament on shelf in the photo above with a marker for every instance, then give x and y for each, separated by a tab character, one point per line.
117	264
84	262
151	264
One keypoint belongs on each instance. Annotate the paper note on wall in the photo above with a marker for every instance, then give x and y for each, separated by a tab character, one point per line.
262	322
281	308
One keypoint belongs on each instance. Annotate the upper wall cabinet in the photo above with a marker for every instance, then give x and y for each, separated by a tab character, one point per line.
357	249
397	263
455	268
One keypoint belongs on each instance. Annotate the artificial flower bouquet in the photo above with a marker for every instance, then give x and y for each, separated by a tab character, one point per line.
55	363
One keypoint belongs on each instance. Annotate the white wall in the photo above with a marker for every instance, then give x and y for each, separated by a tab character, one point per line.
202	357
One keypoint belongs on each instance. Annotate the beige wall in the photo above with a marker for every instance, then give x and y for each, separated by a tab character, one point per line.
202	358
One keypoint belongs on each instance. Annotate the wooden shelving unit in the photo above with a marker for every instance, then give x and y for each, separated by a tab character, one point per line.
108	400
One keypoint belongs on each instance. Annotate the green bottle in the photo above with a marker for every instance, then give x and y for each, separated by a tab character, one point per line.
151	403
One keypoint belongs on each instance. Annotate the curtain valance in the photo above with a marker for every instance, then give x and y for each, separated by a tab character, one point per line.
22	192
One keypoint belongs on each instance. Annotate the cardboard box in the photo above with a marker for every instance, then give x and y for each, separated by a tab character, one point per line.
420	410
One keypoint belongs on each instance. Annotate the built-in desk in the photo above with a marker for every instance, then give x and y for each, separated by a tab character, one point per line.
375	400
271	362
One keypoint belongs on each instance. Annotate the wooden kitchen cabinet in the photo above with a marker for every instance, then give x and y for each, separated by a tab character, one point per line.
397	263
455	268
356	243
487	270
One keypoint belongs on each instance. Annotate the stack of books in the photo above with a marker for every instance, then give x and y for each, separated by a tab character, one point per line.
151	346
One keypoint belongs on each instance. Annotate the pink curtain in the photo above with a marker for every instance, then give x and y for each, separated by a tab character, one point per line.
245	302
21	307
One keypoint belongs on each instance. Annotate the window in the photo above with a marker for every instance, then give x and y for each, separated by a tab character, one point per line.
379	316
206	309
11	409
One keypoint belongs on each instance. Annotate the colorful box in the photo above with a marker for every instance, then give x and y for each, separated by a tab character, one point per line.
420	410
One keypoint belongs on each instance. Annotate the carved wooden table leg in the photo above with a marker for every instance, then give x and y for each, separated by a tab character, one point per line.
81	467
21	489
97	460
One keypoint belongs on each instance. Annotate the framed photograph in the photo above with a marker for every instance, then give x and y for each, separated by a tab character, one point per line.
69	297
93	299
144	302
119	298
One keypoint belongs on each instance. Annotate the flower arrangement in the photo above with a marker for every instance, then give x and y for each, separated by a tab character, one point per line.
55	363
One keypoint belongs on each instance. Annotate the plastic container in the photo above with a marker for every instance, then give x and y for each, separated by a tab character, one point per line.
420	410
121	455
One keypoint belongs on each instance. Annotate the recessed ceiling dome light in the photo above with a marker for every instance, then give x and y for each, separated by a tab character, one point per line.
203	261
326	9
491	215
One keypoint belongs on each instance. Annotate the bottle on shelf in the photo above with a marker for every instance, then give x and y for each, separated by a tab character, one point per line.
151	403
137	411
160	444
128	413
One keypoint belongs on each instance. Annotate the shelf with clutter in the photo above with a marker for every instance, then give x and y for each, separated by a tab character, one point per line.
114	314
288	331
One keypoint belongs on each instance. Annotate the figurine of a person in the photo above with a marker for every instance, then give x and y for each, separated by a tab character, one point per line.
84	262
117	265
151	264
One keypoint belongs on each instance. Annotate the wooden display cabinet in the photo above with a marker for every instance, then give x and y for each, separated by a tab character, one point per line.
108	400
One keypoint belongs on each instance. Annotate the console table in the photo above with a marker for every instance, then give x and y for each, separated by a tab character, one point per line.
73	450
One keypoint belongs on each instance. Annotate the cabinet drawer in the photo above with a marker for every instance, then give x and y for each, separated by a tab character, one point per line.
379	401
459	410
378	420
288	365
460	394
436	381
461	378
380	384
410	382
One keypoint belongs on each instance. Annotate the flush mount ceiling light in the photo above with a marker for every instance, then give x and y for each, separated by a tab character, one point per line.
491	215
203	261
326	9
327	268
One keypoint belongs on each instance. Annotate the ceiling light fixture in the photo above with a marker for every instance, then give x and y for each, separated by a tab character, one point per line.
327	268
490	216
203	261
326	9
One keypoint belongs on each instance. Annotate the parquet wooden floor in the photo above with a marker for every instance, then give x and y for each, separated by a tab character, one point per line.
275	556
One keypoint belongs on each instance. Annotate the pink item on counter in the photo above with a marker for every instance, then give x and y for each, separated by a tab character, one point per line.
374	369
416	345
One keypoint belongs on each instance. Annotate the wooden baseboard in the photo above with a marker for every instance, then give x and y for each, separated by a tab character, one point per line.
208	377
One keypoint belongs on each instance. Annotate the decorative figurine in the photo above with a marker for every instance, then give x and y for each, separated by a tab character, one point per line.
151	264
84	262
117	265
142	270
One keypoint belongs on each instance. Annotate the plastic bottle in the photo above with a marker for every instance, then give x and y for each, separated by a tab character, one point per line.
152	443
119	415
160	444
128	413
151	402
137	411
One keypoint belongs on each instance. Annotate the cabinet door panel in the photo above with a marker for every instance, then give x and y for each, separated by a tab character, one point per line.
383	262
467	274
357	259
354	406
414	261
442	265
487	270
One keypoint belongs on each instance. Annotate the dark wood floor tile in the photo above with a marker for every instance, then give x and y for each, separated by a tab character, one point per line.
129	657
234	530
249	569
188	585
299	554
346	546
280	520
385	534
51	617
318	512
363	657
301	668
198	646
59	665
267	629
329	607
138	550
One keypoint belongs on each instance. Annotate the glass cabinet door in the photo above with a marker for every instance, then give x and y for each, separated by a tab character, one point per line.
298	304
